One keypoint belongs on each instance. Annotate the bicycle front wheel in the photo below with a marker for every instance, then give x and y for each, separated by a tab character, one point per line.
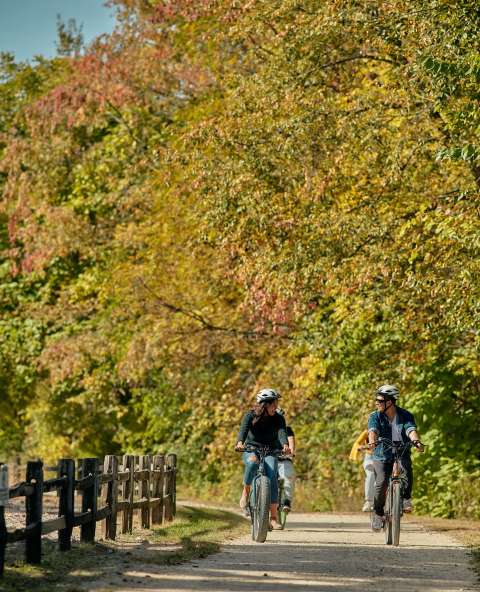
396	512
261	509
387	525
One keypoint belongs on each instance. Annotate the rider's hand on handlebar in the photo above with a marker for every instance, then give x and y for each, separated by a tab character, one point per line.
286	449
372	445
239	446
418	445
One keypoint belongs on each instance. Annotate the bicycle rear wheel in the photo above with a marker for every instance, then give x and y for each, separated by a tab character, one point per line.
261	509
281	513
396	512
387	525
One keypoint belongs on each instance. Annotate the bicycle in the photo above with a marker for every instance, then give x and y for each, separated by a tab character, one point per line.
393	509
282	509
258	504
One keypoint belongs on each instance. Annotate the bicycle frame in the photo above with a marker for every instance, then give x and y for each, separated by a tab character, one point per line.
393	502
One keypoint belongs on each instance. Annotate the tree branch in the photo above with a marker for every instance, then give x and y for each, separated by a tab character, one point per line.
206	324
359	56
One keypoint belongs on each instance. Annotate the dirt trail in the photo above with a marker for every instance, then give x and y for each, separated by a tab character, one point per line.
317	552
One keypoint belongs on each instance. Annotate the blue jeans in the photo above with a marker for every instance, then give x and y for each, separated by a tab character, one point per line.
251	465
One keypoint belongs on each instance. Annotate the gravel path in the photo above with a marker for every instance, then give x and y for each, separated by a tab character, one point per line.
317	552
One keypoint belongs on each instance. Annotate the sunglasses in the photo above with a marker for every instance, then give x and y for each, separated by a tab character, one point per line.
380	401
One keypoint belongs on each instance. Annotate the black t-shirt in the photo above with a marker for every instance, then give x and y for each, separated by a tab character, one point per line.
268	430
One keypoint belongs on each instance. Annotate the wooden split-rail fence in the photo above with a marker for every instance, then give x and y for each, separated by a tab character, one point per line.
144	483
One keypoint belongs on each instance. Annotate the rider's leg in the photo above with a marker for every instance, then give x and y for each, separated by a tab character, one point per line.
383	470
250	460
271	467
246	491
407	465
288	475
369	480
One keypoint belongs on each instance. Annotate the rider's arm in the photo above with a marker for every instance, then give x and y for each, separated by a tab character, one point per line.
244	427
413	435
411	430
291	440
373	428
291	444
282	432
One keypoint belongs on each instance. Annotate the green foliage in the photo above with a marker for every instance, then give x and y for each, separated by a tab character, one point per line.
281	193
70	37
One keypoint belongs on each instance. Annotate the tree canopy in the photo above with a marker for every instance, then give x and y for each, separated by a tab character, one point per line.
221	196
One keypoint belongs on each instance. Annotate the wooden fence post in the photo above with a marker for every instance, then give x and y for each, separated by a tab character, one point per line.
3	539
128	490
145	491
33	506
111	467
89	499
167	513
157	488
66	506
167	485
171	463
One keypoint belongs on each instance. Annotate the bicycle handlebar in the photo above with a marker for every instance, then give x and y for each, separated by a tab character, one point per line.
265	449
396	445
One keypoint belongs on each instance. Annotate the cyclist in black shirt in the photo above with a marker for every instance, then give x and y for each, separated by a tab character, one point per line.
262	426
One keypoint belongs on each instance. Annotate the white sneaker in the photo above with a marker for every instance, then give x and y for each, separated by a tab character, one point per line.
377	522
407	505
367	506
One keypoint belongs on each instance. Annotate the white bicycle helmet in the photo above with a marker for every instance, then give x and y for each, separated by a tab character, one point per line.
388	390
267	395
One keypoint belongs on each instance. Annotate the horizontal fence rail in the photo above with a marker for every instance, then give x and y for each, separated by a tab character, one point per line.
121	484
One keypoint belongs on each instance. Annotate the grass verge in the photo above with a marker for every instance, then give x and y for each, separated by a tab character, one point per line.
195	533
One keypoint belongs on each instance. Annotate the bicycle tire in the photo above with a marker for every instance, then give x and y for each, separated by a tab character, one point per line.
396	512
387	525
261	509
250	505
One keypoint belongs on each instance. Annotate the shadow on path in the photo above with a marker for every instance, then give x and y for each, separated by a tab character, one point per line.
315	553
